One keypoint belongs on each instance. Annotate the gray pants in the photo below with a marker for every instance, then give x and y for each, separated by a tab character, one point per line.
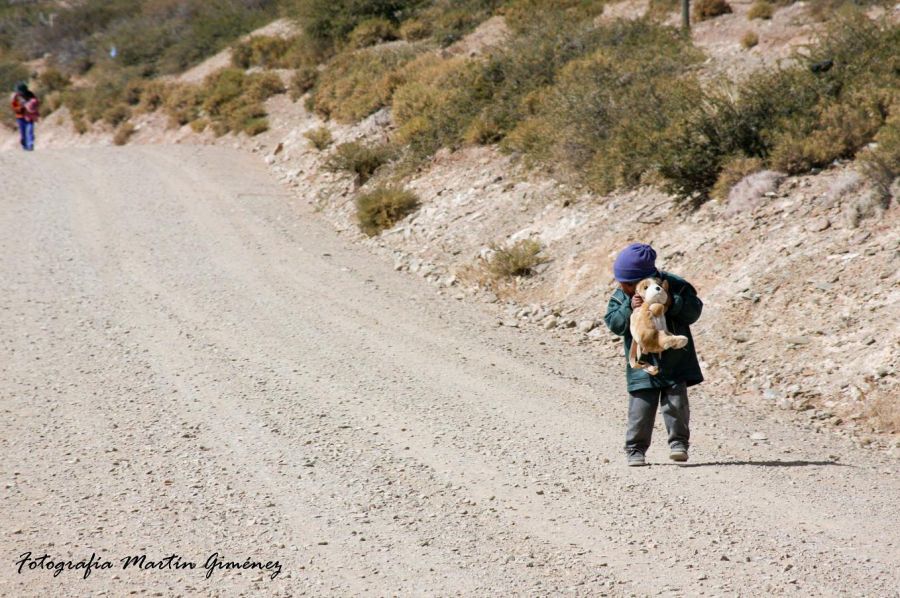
642	406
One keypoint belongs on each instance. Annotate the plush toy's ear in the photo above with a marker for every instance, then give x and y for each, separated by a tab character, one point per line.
641	288
665	285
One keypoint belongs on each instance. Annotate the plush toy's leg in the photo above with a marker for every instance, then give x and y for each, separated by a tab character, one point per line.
672	341
634	359
634	356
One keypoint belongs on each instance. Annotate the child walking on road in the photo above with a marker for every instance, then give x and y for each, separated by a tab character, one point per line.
678	368
26	107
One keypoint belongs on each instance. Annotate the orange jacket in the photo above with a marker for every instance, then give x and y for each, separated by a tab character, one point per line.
18	105
25	109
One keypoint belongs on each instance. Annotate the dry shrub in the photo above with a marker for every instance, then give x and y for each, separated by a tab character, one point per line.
117	114
749	40
371	32
303	79
319	138
519	259
182	103
152	96
254	123
884	412
733	171
750	191
123	133
52	80
659	10
359	159
483	131
261	86
761	9
881	162
199	125
414	30
709	9
79	124
356	84
261	50
383	207
51	103
431	104
233	100
839	130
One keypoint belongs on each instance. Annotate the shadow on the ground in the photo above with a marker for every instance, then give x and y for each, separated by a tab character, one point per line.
763	463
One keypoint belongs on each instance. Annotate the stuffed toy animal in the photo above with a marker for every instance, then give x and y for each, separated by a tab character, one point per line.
648	325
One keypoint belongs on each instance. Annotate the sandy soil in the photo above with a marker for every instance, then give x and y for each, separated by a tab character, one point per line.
193	361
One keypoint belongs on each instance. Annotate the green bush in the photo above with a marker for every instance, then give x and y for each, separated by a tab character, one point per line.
319	138
11	72
359	159
520	259
154	36
761	9
383	207
212	25
604	116
329	22
793	118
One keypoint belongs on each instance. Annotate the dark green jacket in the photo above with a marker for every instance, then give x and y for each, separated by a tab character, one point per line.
675	365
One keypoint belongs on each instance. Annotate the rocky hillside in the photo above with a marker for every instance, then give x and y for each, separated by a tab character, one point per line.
800	275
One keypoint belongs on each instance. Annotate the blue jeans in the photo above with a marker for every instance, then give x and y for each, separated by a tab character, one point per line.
26	133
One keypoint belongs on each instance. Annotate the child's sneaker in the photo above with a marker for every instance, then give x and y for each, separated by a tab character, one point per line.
636	459
678	453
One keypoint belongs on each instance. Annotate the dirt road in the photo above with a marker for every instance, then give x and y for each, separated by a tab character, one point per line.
192	363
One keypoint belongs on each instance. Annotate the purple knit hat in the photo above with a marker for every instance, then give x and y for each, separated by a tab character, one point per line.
634	263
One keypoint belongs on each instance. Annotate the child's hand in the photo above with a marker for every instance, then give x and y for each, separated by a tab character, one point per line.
636	301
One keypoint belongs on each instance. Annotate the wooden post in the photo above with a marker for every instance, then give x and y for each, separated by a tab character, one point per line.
685	15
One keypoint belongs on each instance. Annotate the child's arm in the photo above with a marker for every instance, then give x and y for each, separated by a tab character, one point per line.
618	315
686	305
